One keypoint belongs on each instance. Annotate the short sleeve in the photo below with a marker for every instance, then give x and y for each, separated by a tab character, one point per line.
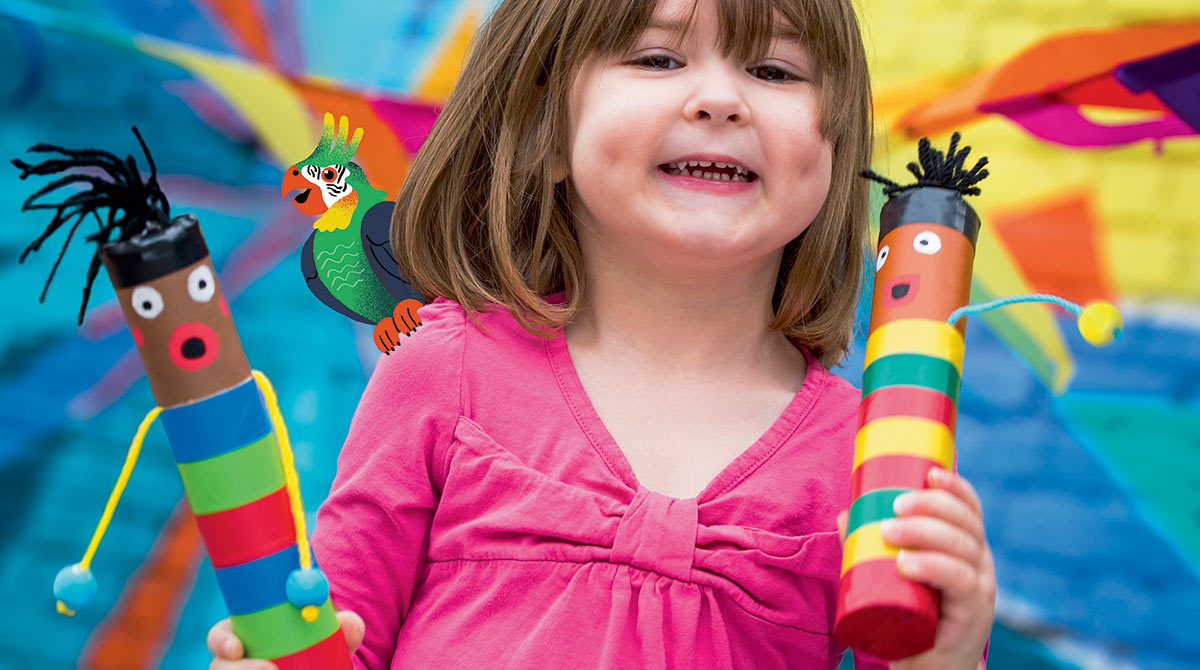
372	532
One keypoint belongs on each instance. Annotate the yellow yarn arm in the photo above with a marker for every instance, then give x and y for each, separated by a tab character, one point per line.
135	448
289	468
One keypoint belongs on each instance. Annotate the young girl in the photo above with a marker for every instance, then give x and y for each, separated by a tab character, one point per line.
613	442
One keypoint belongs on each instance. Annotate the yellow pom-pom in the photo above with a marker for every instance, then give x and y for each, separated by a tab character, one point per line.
309	613
63	609
1100	323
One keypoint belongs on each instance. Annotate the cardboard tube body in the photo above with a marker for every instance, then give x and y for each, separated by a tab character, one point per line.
222	439
911	382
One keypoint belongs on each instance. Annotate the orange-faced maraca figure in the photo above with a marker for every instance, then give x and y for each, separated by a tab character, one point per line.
913	366
224	430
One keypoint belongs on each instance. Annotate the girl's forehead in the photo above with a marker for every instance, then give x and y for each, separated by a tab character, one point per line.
739	26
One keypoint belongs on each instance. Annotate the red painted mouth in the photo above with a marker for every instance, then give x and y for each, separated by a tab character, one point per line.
901	290
194	346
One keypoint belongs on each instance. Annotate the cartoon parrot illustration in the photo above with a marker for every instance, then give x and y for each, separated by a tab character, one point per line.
347	261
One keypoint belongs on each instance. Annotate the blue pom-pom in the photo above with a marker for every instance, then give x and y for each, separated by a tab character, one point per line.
307	587
75	587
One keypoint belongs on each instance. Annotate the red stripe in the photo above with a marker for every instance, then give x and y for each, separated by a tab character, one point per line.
884	614
249	532
915	401
328	654
894	471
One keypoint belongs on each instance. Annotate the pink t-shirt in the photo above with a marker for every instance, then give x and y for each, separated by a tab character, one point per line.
483	517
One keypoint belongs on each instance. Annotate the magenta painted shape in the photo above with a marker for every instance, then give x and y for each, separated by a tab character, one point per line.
410	121
1062	123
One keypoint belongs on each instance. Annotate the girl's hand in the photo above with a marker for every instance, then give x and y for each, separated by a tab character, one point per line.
228	649
941	531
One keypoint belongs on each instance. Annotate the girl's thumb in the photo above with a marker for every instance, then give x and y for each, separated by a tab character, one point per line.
353	628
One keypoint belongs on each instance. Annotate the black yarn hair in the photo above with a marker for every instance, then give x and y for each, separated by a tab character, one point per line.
134	206
940	170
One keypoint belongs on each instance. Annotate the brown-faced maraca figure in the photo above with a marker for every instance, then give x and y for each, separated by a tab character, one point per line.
221	419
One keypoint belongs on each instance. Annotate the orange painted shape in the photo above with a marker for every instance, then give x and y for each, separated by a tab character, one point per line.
380	153
1062	60
1055	244
248	26
137	631
1050	67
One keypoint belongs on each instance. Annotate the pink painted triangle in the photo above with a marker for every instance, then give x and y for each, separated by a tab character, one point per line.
410	121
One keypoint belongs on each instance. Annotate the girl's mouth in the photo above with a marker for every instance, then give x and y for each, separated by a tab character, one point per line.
709	170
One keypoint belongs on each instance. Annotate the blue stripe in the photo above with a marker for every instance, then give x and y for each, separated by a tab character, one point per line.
259	584
227	421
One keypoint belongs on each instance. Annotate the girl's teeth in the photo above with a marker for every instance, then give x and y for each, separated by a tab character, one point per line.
676	169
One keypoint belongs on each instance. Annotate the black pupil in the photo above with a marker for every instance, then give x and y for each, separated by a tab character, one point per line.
146	305
203	283
329	174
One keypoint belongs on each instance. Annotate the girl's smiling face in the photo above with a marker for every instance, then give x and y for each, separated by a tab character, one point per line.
634	117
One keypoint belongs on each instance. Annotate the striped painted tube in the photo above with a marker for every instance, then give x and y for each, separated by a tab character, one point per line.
228	457
911	381
230	446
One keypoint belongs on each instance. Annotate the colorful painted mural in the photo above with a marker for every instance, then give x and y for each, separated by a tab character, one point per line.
1088	460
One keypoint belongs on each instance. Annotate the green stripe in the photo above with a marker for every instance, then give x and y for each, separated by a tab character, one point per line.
233	478
871	507
279	630
912	370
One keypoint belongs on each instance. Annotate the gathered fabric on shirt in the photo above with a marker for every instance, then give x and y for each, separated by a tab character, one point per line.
483	517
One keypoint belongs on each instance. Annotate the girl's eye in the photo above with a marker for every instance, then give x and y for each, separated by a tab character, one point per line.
658	62
329	174
770	73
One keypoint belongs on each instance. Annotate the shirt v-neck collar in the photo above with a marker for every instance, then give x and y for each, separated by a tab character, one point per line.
746	462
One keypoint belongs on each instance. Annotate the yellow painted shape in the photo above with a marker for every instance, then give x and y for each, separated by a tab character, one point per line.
917	336
438	81
866	544
908	436
268	104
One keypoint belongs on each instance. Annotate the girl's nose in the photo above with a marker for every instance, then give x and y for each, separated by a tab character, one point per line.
716	98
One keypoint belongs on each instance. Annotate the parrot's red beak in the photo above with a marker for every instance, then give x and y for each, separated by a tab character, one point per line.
307	201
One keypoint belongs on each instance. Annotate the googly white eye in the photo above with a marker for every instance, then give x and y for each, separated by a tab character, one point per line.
882	257
927	242
201	285
147	302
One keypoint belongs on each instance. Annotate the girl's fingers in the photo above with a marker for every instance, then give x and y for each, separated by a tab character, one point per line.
956	578
842	519
943	505
960	487
242	664
932	534
353	628
223	643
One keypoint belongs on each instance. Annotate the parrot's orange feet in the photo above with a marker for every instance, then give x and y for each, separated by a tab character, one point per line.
403	321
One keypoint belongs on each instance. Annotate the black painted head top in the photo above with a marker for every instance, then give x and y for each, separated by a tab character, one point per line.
937	195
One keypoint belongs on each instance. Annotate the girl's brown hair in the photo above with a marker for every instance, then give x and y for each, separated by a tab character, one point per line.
482	220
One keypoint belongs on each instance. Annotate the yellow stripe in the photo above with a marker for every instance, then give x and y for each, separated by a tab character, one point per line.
267	102
905	435
866	544
917	336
